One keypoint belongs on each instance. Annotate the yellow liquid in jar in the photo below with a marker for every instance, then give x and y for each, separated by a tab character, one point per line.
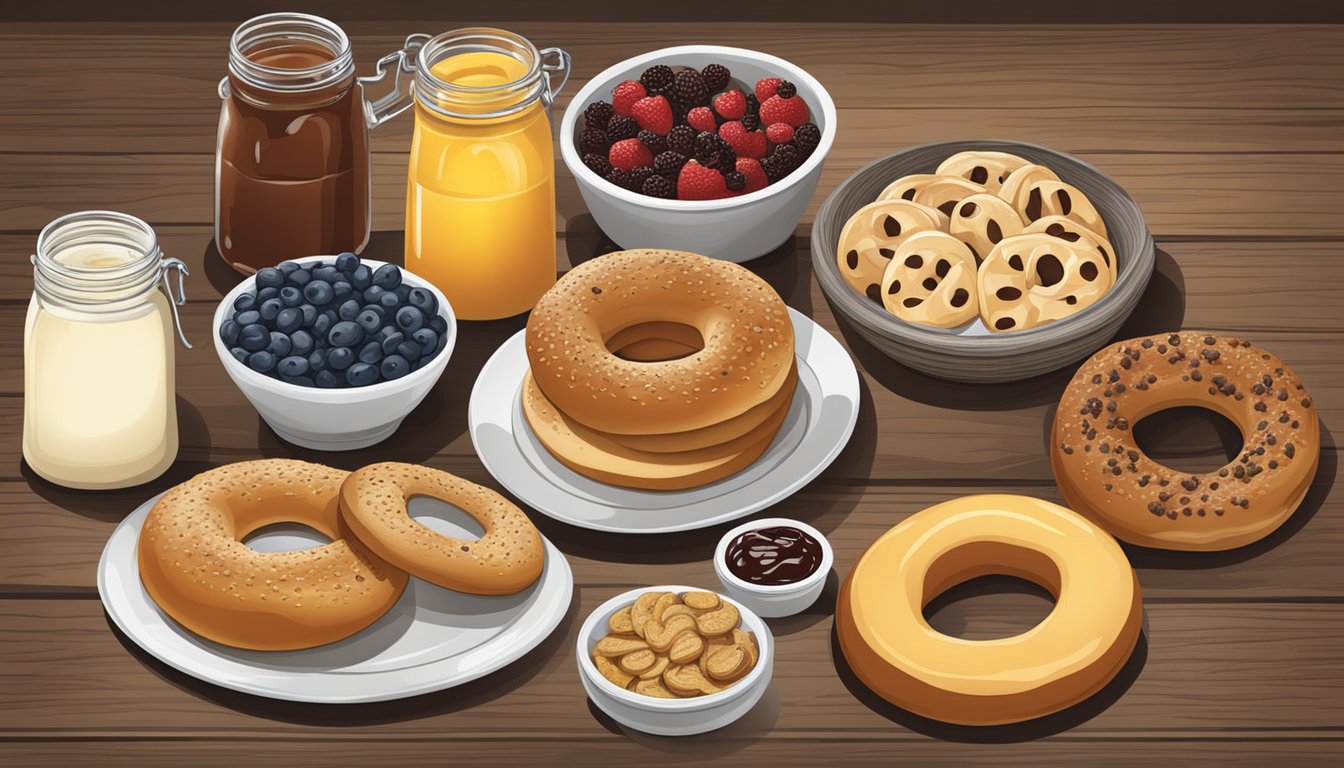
480	195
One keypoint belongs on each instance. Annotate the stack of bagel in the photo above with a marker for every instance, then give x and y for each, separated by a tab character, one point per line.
659	370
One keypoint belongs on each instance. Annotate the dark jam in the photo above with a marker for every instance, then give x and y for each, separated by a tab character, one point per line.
773	556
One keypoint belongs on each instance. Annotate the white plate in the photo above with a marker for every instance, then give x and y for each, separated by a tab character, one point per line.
433	638
820	420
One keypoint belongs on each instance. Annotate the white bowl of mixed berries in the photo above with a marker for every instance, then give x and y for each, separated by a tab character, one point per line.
702	148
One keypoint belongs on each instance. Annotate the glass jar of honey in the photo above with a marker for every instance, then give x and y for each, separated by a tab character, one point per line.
480	190
292	157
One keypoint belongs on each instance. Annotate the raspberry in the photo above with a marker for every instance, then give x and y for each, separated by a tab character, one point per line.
786	90
751	121
731	105
807	136
653	141
696	182
653	113
658	186
668	164
622	127
779	133
595	141
681	139
751	170
778	109
629	153
745	143
701	119
624	96
734	181
716	77
657	76
707	148
690	88
597	115
597	163
766	87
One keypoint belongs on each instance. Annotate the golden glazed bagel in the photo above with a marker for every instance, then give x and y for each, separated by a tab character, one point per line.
1104	474
746	330
196	568
1069	656
507	558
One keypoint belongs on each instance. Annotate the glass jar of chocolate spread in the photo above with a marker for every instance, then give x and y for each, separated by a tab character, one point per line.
292	158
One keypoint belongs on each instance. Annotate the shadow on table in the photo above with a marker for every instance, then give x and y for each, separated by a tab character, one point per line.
1161	308
451	700
997	734
753	727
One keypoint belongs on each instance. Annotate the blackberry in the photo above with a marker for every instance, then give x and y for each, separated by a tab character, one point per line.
786	90
735	180
597	164
753	105
622	127
594	140
772	167
657	76
656	144
715	77
638	176
658	186
788	157
598	114
681	139
620	177
669	164
690	88
807	136
707	148
727	155
751	121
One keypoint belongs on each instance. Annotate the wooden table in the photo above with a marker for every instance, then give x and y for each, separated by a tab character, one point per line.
1230	137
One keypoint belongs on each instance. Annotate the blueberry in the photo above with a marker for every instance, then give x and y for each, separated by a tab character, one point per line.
403	291
340	358
426	338
391	340
322	325
287	268
362	374
298	381
325	380
327	274
254	337
291	296
318	292
369	320
439	324
269	309
341	290
280	345
345	334
348	310
361	278
389	300
293	366
301	342
410	319
289	320
347	262
371	353
309	314
261	362
298	278
443	342
317	360
423	300
239	354
372	294
228	332
247	318
245	302
394	367
388	277
270	277
409	350
266	294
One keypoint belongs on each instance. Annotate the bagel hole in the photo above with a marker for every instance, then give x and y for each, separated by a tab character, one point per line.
989	590
441	517
285	537
1188	439
655	342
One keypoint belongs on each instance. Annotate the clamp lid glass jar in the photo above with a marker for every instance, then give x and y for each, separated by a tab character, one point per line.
99	408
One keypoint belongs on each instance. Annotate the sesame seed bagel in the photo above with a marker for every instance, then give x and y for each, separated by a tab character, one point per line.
745	327
1102	472
506	559
196	568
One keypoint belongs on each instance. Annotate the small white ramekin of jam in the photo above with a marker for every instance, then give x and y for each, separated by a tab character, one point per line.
776	566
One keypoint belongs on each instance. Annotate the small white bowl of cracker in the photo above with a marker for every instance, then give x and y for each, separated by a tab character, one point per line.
674	660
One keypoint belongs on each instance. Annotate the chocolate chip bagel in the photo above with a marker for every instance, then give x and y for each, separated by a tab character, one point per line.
1102	472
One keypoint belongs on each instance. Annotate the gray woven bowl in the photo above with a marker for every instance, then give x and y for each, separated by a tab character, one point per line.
1000	356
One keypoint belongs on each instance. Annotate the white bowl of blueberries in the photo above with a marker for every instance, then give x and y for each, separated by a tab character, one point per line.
333	352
